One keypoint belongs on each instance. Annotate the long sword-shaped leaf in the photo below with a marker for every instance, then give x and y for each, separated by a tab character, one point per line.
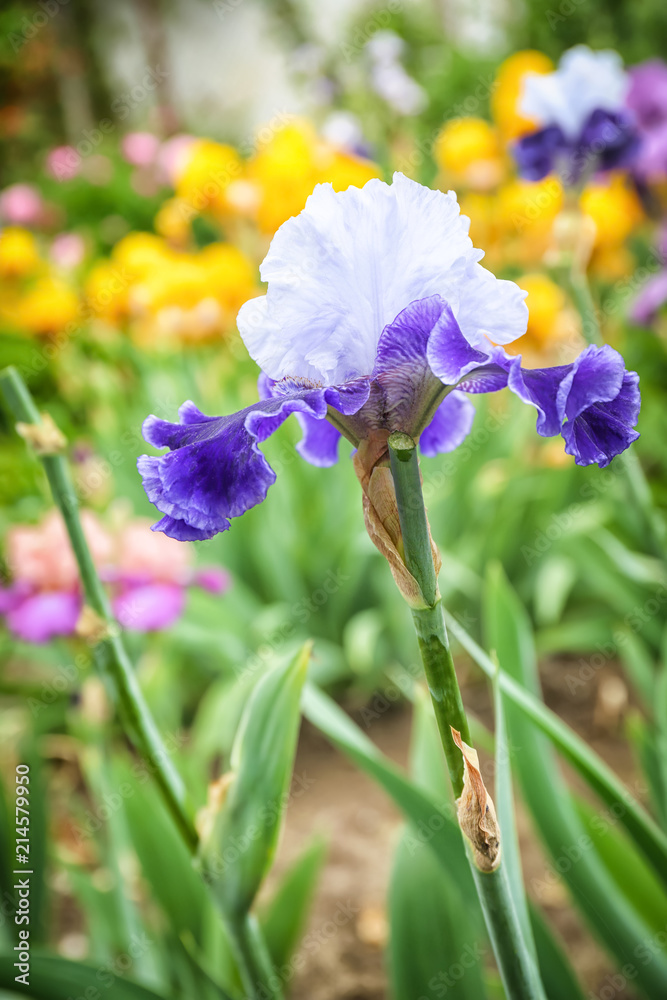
433	824
547	796
641	827
59	979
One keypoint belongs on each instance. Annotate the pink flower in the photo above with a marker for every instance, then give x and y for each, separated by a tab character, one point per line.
148	574
140	148
142	555
67	250
63	163
172	158
41	554
21	205
149	607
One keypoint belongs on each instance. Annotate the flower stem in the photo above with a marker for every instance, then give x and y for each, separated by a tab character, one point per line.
110	650
517	965
429	621
253	959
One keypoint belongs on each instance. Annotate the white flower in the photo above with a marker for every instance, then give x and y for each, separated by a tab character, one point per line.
345	267
584	81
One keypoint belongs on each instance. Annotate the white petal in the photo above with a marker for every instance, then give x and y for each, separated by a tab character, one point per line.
344	268
490	308
585	80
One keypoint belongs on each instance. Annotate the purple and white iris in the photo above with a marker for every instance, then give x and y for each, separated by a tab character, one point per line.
378	317
584	125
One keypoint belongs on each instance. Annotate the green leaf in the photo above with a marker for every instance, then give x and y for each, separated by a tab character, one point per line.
504	802
641	827
553	583
639	665
433	824
549	800
434	948
166	864
59	979
625	865
558	976
283	919
240	849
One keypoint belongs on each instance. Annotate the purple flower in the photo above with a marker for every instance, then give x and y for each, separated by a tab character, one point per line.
647	95
647	100
378	317
583	124
148	576
39	616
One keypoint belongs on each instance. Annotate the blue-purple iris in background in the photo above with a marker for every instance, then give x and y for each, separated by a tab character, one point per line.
378	317
584	124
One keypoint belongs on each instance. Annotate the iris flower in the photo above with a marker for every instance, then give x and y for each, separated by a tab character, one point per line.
378	317
583	123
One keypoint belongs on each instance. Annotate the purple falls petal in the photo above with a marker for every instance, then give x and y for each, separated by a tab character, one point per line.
450	426
319	444
214	470
594	403
539	388
600	402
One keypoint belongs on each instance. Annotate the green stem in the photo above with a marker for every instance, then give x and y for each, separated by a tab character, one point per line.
516	964
254	961
110	650
429	621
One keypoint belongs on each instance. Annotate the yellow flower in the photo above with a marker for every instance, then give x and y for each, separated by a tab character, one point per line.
481	210
468	151
230	276
49	306
138	254
526	213
545	302
106	291
507	91
173	221
209	170
614	208
552	334
19	255
285	170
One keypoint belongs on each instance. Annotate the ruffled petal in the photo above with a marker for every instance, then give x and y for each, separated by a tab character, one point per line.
319	444
596	376
149	608
450	425
450	355
539	388
594	403
492	309
215	470
344	268
43	616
